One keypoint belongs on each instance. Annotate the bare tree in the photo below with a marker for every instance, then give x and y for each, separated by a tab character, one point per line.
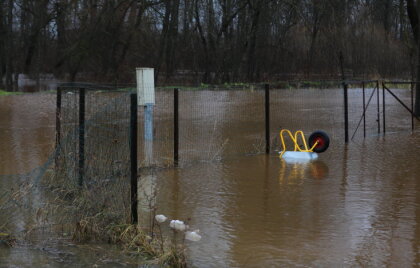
413	11
216	40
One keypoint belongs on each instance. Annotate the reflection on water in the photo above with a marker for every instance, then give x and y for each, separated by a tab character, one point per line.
259	211
358	205
296	172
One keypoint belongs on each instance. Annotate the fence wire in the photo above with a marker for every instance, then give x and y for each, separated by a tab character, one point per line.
158	152
397	118
308	110
220	124
372	109
214	124
106	169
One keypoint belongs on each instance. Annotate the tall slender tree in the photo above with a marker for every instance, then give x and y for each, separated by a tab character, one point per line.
413	11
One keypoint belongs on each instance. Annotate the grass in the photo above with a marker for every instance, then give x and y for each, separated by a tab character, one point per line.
97	212
7	240
8	93
252	86
100	211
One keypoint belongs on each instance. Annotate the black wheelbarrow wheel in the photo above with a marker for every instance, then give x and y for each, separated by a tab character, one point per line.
323	141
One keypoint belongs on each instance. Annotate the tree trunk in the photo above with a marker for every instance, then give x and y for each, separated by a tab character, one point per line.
413	14
172	39
253	42
2	50
417	100
164	39
9	48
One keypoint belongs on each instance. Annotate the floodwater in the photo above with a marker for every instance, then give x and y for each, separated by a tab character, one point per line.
357	205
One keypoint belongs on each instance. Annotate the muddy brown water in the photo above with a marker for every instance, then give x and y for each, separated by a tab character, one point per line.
358	205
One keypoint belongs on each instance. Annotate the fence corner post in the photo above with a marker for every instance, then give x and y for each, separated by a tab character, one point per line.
133	158
267	118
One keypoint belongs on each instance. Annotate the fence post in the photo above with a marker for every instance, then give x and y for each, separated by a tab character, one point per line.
176	126
267	118
133	158
383	106
412	106
346	101
378	119
82	92
346	113
364	110
57	124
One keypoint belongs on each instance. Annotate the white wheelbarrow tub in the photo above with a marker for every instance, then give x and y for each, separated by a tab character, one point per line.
290	156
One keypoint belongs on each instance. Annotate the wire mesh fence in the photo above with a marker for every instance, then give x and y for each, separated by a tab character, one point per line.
158	152
214	123
364	107
378	108
221	123
307	109
93	149
398	98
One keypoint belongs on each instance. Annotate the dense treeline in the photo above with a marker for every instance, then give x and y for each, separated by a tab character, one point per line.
213	41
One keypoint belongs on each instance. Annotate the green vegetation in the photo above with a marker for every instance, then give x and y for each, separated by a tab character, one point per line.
7	93
252	86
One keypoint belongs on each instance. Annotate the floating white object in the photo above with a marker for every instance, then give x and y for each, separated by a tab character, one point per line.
193	236
177	225
300	156
161	218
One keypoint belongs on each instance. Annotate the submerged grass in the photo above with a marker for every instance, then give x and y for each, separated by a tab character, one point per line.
100	211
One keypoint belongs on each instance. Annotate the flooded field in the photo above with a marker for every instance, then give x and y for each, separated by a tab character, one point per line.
358	205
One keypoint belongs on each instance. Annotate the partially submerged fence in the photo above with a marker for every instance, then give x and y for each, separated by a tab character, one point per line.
96	130
399	96
205	124
101	139
378	107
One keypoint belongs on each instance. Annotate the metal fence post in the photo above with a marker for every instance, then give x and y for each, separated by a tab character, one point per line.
346	113
57	124
267	118
346	101
412	106
364	110
82	92
133	158
378	113
176	126
383	106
